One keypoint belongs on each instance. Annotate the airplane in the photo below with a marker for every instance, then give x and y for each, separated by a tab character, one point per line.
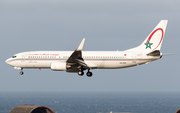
78	61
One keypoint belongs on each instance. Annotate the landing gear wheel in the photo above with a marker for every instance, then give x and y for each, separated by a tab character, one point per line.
21	73
89	74
81	73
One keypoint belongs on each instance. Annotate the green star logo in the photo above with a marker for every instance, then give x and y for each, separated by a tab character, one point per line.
148	45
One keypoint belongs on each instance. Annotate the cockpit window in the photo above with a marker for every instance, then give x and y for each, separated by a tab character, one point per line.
13	56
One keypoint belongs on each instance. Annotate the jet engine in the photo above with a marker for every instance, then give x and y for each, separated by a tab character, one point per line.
58	66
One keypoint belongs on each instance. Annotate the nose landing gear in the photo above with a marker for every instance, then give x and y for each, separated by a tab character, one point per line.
21	72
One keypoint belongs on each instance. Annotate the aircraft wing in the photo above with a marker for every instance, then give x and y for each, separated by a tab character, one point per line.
76	61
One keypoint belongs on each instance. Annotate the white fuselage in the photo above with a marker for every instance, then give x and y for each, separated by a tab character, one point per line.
78	60
94	59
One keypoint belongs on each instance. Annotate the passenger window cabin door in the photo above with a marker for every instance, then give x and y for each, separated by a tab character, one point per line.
134	57
23	56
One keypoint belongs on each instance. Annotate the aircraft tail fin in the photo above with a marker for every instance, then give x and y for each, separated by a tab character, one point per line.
154	40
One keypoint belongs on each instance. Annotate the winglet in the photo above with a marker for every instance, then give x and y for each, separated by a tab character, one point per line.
81	45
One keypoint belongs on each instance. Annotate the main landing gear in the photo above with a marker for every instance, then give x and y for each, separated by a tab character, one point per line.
21	72
89	74
81	73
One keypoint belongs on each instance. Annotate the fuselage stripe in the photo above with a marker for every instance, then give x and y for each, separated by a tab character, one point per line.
84	59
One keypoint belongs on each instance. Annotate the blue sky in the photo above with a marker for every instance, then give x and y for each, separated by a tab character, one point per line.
30	25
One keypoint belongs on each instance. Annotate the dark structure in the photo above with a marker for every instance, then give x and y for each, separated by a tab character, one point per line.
178	111
31	109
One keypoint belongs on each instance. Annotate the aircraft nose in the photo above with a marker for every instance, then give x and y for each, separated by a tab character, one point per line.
7	61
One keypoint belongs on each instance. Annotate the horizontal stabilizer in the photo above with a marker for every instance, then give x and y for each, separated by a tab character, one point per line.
154	53
166	54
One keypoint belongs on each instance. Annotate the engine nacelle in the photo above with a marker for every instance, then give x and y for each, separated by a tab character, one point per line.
58	66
